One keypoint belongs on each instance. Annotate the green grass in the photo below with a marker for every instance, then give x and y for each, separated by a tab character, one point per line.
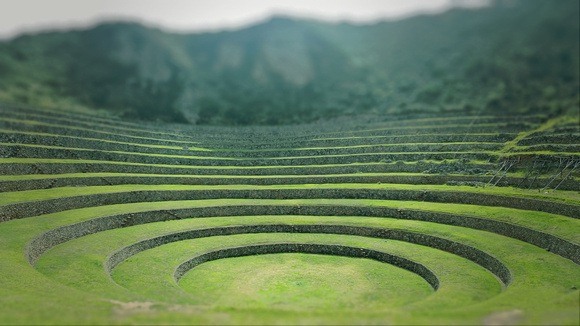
304	283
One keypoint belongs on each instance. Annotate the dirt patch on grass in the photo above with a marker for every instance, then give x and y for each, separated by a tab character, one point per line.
511	317
124	309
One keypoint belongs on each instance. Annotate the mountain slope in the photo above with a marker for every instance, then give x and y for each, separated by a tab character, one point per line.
511	57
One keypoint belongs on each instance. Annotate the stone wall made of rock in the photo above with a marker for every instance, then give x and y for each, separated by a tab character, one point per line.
28	209
30	151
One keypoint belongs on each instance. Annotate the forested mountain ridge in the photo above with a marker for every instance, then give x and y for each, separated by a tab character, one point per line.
512	57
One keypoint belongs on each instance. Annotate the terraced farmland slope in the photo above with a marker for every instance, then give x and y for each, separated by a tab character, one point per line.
428	220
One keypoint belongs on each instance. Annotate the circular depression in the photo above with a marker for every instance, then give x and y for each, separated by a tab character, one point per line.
303	282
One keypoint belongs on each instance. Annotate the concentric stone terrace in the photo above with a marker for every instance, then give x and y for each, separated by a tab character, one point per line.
420	220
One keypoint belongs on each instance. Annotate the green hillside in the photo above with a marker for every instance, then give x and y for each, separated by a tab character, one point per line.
514	57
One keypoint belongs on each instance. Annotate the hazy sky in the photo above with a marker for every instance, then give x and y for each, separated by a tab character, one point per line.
18	16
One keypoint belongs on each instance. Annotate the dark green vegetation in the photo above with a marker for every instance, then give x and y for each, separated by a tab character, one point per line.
517	57
464	220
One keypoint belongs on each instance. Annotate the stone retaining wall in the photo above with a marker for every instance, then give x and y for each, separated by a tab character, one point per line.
28	209
78	143
99	166
538	138
19	151
46	183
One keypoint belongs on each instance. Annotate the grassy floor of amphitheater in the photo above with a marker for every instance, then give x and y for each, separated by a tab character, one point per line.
462	220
